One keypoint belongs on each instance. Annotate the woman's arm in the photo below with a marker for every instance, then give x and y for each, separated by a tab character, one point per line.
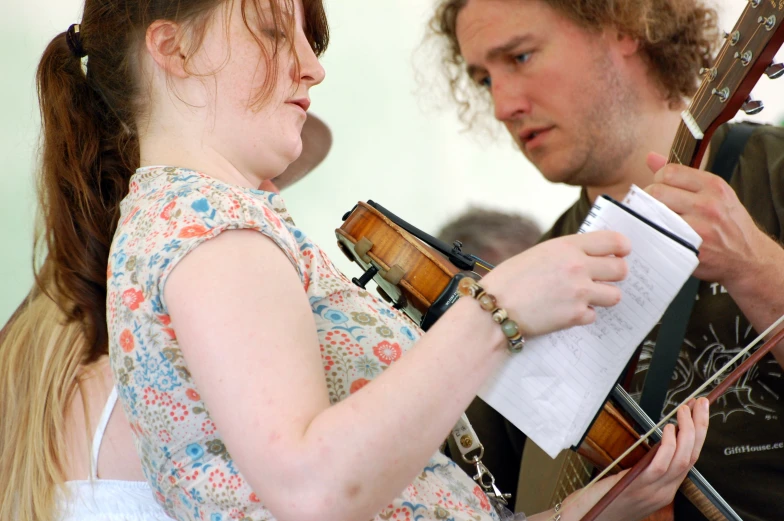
247	332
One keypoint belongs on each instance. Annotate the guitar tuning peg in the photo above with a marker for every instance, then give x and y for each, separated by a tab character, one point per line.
752	107
775	70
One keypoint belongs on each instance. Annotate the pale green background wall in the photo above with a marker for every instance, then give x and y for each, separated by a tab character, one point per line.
391	144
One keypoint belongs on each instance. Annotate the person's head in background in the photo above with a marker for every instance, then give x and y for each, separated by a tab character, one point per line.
96	114
316	144
491	235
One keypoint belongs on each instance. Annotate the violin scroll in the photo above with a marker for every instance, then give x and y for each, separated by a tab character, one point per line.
411	275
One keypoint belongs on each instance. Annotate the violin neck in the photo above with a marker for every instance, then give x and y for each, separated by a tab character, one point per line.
699	500
696	488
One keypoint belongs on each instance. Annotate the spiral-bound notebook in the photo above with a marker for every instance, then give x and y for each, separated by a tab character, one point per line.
554	388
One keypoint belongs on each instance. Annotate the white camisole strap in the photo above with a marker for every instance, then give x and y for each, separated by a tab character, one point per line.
99	432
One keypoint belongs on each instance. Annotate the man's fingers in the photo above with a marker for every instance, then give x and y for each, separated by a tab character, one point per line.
683	177
655	161
679	200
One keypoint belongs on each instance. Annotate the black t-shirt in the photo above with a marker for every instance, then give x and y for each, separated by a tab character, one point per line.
743	456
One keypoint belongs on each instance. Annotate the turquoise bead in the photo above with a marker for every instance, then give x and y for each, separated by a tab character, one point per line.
510	328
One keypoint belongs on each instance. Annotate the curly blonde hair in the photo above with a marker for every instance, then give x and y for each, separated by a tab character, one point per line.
676	37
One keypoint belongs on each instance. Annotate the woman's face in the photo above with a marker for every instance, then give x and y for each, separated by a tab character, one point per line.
259	139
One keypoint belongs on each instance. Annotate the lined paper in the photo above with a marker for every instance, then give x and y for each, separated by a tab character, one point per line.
554	388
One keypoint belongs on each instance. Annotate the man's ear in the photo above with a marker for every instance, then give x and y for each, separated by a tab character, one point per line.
625	44
165	45
622	45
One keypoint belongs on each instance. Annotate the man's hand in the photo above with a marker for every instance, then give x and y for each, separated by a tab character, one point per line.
734	252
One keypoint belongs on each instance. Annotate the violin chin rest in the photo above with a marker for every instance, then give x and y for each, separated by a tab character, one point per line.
394	275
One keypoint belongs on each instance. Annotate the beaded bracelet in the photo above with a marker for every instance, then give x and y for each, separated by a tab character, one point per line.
468	287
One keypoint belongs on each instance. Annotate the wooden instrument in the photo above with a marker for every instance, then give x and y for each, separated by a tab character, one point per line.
648	457
746	55
413	276
410	274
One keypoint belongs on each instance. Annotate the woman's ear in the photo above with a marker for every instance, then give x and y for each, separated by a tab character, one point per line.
165	45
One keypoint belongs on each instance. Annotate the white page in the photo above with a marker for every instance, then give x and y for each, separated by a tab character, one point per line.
554	388
641	202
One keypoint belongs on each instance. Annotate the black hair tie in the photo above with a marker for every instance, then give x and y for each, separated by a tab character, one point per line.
74	39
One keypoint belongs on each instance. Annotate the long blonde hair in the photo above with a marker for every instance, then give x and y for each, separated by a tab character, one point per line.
40	357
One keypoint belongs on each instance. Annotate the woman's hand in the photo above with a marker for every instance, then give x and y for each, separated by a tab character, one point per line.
556	284
656	486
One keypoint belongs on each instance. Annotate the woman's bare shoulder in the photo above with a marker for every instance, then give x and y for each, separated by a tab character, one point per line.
117	458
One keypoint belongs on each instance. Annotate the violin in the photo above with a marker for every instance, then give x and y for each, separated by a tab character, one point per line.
413	275
418	274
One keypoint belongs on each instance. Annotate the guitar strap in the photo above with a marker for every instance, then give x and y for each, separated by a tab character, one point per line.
676	318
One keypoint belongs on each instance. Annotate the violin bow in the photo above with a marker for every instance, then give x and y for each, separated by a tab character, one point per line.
720	389
695	484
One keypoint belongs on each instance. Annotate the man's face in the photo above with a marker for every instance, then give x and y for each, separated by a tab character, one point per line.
556	87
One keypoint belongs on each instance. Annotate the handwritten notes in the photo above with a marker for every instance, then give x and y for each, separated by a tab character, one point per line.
554	388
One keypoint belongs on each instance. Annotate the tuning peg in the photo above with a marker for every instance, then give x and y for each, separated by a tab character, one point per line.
752	107
709	73
775	70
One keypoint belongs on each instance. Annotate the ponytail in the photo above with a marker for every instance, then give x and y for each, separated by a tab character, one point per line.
88	156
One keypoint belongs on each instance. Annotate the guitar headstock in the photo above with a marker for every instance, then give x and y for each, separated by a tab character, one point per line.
746	55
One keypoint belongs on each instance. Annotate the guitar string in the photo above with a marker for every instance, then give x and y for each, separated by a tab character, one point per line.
570	483
699	97
574	475
682	138
733	67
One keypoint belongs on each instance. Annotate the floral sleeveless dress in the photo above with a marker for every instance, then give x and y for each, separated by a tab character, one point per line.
169	212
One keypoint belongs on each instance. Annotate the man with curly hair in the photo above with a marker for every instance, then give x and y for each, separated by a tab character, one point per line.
592	93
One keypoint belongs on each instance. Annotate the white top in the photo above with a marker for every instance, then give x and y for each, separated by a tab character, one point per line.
96	499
